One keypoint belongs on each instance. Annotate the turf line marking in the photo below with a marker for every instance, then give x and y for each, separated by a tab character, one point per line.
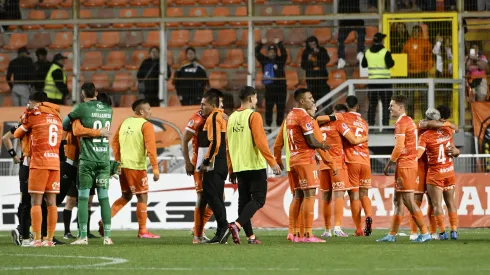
108	261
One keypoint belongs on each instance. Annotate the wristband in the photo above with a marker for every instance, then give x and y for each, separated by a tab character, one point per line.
333	118
12	153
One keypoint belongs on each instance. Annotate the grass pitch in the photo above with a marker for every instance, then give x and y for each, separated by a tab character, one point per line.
175	254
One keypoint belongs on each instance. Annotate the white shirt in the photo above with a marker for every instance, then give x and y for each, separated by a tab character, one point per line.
439	62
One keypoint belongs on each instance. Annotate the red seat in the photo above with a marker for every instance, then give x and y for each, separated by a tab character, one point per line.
244	38
174	12
323	34
272	34
39	40
240	11
4	62
289	11
35	15
93	3
234	59
238	80
267	11
127	100
334	57
178	38
219	12
91	61
7	101
225	38
181	59
101	81
125	13
296	36
140	3
292	79
370	31
153	39
208	2
50	4
132	39
123	82
68	62
17	40
115	61
4	86
336	77
28	4
69	81
202	38
210	58
117	3
136	59
258	81
108	40
186	2
313	10
103	13
195	12
231	2
149	12
66	4
57	15
63	40
88	39
218	80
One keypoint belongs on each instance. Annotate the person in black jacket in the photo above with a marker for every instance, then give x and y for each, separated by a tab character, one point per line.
22	70
41	67
190	80
275	84
314	61
148	74
346	26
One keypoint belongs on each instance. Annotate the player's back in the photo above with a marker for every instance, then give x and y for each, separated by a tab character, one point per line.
298	124
196	122
360	128
332	136
46	134
405	126
436	143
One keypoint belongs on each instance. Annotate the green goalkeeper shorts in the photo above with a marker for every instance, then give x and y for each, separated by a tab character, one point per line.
93	171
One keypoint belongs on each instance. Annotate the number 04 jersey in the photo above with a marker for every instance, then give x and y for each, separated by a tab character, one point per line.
435	143
96	115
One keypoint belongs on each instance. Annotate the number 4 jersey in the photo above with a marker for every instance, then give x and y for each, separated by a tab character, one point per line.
96	115
435	143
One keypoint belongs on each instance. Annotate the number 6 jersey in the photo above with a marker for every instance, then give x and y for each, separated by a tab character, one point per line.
96	115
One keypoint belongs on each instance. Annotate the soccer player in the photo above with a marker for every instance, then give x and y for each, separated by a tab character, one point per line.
94	162
45	126
332	133
248	152
302	145
134	139
404	155
196	122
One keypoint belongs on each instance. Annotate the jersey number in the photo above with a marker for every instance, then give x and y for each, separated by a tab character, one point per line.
97	126
324	136
53	135
441	158
358	132
292	146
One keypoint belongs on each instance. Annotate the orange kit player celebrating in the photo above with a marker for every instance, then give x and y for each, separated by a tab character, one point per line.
302	145
202	213
44	122
404	155
332	133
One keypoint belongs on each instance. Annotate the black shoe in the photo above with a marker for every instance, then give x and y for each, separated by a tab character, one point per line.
57	242
218	237
91	236
254	241
368	230
68	236
235	233
15	237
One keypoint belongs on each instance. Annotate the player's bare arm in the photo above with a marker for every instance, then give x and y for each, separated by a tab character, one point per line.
7	140
399	145
189	167
327	118
315	144
352	139
80	131
436	124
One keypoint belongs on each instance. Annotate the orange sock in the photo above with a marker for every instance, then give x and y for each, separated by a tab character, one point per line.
197	222
52	220
453	220
301	222
294	211
414	229
117	206
36	221
395	224
432	220
440	223
308	214
290	220
419	219
367	206
327	213
338	211
142	216
355	207
207	215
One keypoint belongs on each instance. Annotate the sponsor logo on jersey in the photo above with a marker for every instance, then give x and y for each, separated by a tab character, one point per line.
100	106
51	155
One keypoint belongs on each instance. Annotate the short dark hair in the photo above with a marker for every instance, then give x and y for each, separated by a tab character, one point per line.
135	106
190	49
88	89
444	111
341	107
41	51
104	98
298	94
400	99
216	92
154	47
212	99
39	97
352	101
245	92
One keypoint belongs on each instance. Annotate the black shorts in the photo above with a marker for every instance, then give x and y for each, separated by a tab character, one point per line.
68	179
24	178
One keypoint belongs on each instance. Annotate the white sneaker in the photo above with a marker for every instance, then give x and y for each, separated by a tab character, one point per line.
81	241
435	236
26	243
108	241
341	64
48	243
413	237
327	234
360	56
340	233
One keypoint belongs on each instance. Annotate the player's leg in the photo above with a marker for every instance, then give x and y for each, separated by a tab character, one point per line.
202	214
36	189
354	174
292	187
452	211
70	203
326	189
364	186
25	212
397	217
85	181
139	179
102	175
309	183
432	218
126	194
435	192
340	184
90	200
52	190
413	226
417	216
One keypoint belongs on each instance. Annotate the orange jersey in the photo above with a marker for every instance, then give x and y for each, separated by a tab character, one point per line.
298	124
332	133
423	159
360	128
405	126
435	143
196	122
72	147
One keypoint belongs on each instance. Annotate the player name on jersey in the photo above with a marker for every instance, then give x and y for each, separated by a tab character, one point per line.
101	115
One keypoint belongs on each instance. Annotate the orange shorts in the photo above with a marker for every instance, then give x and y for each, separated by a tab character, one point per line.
405	179
359	175
198	181
328	181
443	183
420	188
44	181
134	181
292	184
305	176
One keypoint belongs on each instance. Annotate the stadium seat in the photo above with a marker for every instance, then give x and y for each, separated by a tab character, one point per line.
84	14
225	38
35	15
174	12
93	3
68	62
101	81
178	38
350	38
231	2
153	39
219	12
323	34
39	40
185	2
117	3
244	38
292	79
296	36
334	57
115	61
4	62
272	34
4	86
69	81
258	80
297	60
268	11
28	4
370	31
125	13
132	39
149	12
50	4
7	101
312	10
170	58
136	59
88	39
127	100
301	1
238	80
202	38
57	15
109	40
336	77
234	59
210	58
357	75
66	4
140	3
351	54
123	82
17	40
173	101
208	2
195	12
181	59
91	61
218	80
240	11
62	40
291	10
103	13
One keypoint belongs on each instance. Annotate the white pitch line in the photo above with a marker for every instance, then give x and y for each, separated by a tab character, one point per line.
110	261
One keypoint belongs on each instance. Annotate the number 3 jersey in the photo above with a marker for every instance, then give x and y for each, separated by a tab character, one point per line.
96	115
436	143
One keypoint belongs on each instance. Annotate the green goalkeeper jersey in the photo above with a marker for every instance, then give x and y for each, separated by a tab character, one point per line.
96	115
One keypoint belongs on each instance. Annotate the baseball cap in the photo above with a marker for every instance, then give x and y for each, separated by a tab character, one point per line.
22	50
59	56
378	37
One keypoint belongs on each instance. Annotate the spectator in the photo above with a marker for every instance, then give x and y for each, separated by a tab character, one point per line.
22	70
476	66
9	9
55	83
346	26
444	67
41	67
148	73
399	36
274	79
314	61
191	79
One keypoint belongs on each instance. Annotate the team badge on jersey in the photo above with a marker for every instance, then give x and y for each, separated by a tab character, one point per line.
191	123
308	126
345	126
